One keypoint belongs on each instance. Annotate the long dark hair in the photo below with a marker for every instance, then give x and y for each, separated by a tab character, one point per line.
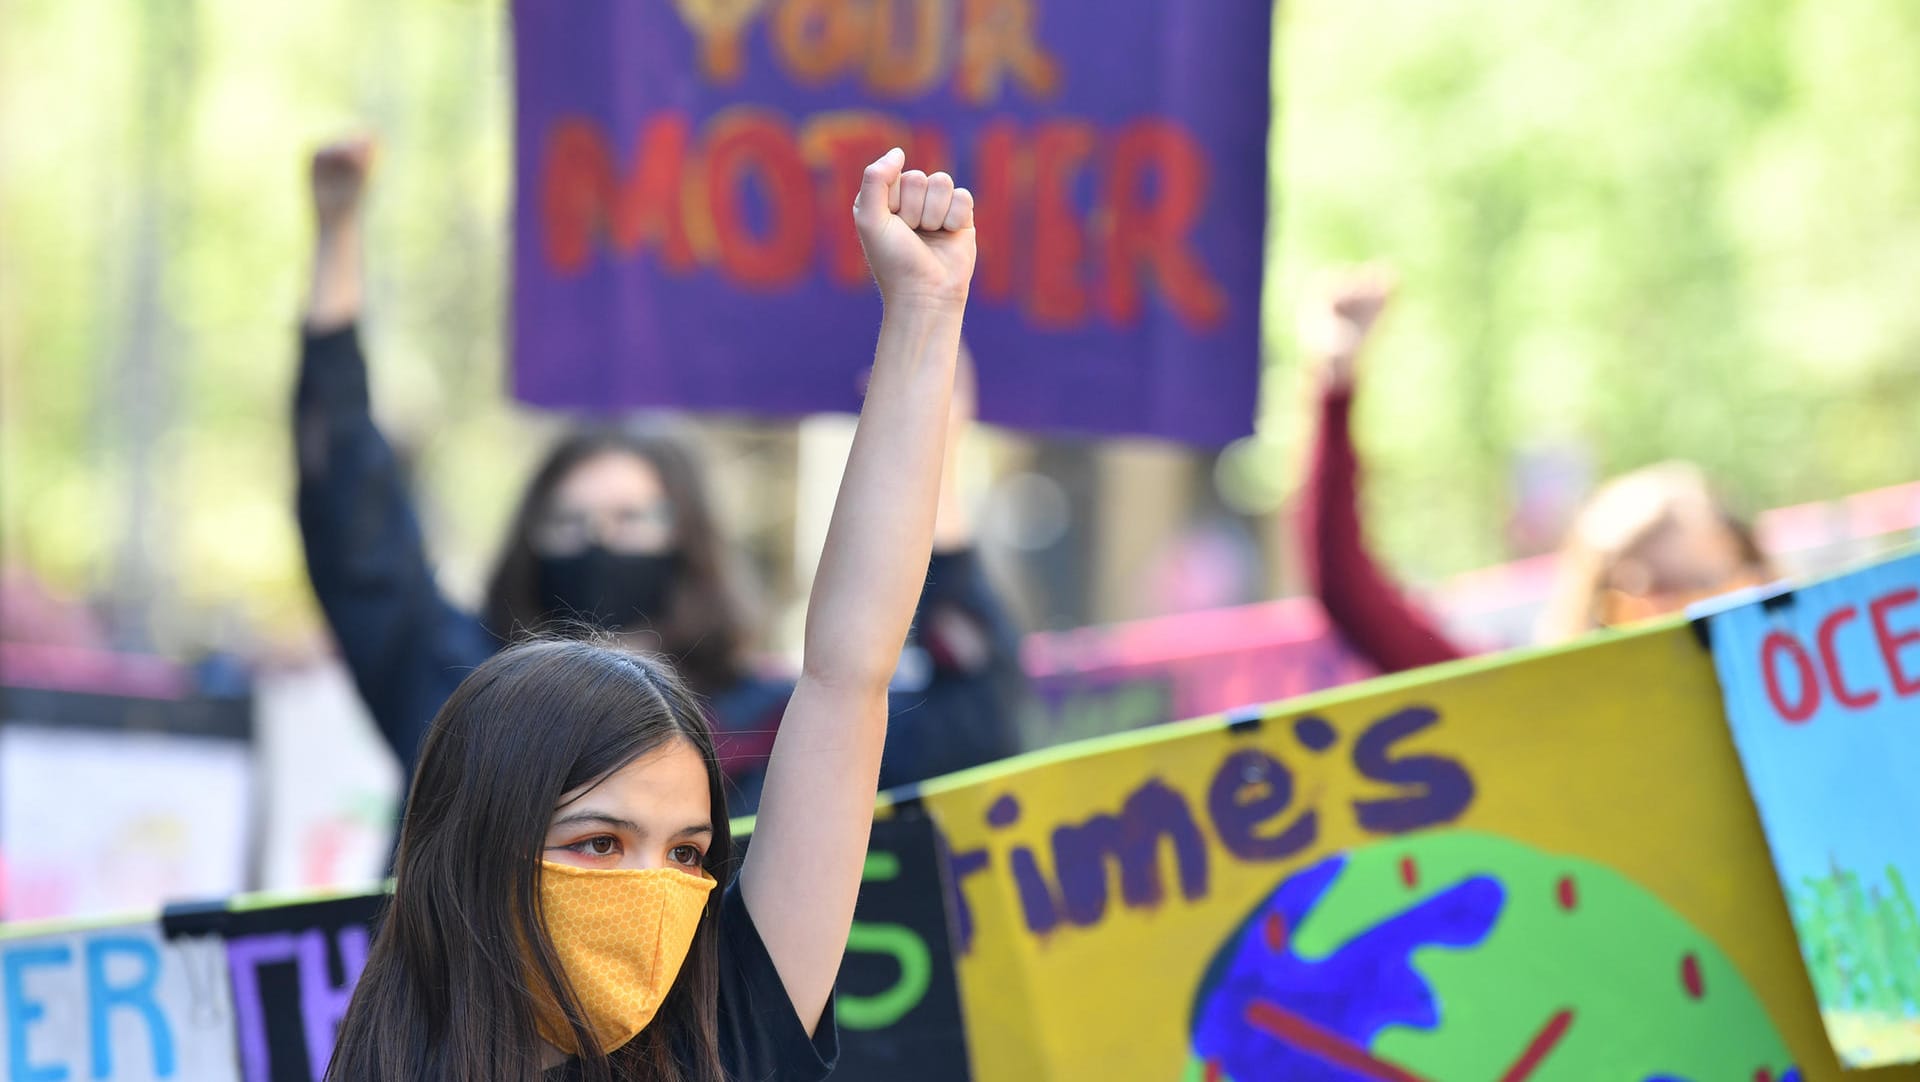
704	628
445	995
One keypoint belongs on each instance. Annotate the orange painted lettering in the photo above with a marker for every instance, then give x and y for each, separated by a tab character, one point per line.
818	40
911	70
997	43
718	25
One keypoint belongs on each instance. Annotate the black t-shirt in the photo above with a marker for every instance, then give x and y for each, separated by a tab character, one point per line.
762	1039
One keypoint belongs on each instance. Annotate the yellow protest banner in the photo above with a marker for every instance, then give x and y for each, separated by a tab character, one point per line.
1530	869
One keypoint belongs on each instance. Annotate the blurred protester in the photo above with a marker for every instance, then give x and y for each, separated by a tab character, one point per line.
555	907
615	530
1647	543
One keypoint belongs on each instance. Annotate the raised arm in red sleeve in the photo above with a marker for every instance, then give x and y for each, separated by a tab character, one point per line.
1377	619
1372	613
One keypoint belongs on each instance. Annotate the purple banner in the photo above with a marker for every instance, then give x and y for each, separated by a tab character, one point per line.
686	172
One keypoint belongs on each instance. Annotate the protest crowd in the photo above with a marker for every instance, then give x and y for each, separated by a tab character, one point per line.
889	540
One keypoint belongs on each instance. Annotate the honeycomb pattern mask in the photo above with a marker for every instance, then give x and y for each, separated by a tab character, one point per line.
621	935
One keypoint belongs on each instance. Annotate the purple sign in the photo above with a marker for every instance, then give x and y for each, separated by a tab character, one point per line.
686	170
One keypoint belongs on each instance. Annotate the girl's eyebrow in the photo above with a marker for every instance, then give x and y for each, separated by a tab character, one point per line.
613	821
696	830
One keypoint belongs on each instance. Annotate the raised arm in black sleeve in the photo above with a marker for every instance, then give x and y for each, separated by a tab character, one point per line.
406	645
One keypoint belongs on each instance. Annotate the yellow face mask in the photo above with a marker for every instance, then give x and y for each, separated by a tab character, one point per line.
621	935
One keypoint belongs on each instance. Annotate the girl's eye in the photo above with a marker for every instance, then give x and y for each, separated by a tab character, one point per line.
604	845
688	855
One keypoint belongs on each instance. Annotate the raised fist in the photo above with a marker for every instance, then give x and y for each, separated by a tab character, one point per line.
340	179
917	231
1339	313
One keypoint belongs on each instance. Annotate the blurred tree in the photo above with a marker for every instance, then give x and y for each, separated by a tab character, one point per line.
154	250
1664	230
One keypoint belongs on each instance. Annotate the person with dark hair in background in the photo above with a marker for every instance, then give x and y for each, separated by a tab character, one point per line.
616	530
1647	543
559	909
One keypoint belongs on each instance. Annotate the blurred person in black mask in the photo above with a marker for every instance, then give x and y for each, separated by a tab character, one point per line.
615	530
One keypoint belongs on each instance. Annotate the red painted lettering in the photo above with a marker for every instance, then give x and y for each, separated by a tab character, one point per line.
1147	235
576	194
1775	644
1060	148
1076	227
748	145
999	162
838	146
1830	660
1891	642
582	200
931	150
649	210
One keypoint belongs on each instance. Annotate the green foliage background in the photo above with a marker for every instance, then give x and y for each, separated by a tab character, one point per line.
1674	229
